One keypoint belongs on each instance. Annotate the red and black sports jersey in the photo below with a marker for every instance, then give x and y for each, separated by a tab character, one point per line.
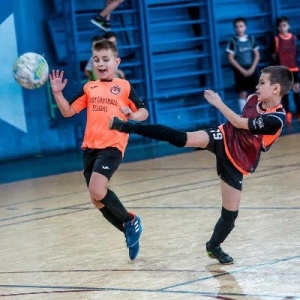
243	147
285	48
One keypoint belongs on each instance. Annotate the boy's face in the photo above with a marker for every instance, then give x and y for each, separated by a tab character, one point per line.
105	63
264	90
240	28
283	27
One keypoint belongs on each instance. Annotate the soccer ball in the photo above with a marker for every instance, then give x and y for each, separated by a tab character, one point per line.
31	70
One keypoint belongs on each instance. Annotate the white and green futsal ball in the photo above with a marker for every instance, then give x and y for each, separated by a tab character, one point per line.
31	70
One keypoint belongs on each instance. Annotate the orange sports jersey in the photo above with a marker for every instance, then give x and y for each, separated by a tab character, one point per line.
103	100
243	147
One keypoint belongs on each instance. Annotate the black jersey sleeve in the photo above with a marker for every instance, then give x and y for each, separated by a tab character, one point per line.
268	124
133	96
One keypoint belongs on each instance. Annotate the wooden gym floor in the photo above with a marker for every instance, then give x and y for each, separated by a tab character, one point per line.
55	245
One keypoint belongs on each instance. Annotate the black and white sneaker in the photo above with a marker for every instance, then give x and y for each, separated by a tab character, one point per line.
101	22
219	254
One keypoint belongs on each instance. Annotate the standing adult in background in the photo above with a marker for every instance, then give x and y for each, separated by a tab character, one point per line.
103	18
243	55
284	52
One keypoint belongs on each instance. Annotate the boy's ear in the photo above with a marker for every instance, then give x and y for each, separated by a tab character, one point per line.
276	89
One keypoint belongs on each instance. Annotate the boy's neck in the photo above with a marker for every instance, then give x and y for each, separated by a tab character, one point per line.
241	35
270	104
285	34
106	80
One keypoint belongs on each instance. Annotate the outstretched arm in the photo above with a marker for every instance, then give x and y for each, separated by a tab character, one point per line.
57	85
215	100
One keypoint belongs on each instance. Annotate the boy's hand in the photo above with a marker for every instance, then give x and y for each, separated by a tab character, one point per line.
127	111
212	97
56	81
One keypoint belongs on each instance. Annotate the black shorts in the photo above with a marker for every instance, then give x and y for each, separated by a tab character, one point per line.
243	83
225	169
104	161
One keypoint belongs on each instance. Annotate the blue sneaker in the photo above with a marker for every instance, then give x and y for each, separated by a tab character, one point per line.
134	251
133	230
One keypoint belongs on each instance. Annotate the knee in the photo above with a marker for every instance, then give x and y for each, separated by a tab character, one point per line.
96	196
97	193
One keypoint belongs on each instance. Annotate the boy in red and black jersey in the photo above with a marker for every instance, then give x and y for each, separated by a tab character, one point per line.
104	149
243	146
237	143
284	52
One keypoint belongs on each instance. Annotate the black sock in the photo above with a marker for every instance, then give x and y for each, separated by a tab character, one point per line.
223	227
161	133
111	218
115	206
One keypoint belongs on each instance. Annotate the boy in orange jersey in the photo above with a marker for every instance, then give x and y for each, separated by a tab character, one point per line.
284	52
103	149
237	143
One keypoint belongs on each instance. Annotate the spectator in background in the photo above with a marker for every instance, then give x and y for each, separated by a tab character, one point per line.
88	71
284	52
103	18
243	55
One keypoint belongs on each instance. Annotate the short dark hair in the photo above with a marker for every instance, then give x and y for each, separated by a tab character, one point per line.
97	38
239	19
109	34
106	45
281	19
281	75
